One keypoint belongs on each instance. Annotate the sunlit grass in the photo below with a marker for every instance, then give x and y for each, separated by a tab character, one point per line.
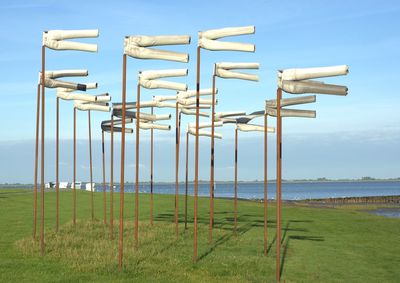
319	244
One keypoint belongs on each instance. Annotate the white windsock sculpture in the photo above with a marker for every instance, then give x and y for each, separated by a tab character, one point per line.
137	47
96	106
133	105
51	76
192	93
224	70
254	128
149	79
287	112
298	81
192	131
227	116
55	39
208	39
150	125
69	94
106	126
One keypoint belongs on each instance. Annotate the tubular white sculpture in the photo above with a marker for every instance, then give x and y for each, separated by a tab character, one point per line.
149	79
207	40
53	39
224	70
297	81
137	47
89	106
108	126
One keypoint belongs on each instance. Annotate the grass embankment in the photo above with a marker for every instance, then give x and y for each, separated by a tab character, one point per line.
319	245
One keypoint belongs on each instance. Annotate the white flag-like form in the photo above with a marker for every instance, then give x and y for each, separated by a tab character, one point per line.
137	47
224	70
254	128
192	131
192	93
292	101
150	79
208	39
55	39
298	81
96	106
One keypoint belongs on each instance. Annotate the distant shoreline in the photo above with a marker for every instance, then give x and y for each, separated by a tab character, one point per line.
240	182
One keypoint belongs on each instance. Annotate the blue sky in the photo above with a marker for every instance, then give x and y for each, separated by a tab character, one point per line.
353	136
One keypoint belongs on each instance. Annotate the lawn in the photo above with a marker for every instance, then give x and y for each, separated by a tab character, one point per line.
319	244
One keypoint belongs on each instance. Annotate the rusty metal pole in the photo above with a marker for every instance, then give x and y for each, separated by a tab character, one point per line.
121	200
112	179
90	164
57	161
42	152
212	161
36	163
265	185
104	180
278	182
176	168
235	200
74	192
137	167
196	170
151	172
186	178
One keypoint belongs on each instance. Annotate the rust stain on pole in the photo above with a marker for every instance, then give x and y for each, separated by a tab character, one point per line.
235	200
278	182
151	171
57	160
212	161
196	171
265	184
74	173
90	163
36	163
137	168
112	179
42	152
104	179
176	168
121	203
186	178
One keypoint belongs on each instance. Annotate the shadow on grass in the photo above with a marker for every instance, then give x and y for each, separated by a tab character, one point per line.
223	239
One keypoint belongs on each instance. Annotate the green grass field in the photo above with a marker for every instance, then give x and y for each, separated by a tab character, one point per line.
319	244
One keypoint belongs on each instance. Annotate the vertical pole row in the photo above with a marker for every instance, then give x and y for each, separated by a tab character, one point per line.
196	170
151	171
74	192
235	200
57	161
265	185
42	152
90	164
186	178
278	182
137	167
112	179
121	200
104	179
176	168
35	183
212	160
